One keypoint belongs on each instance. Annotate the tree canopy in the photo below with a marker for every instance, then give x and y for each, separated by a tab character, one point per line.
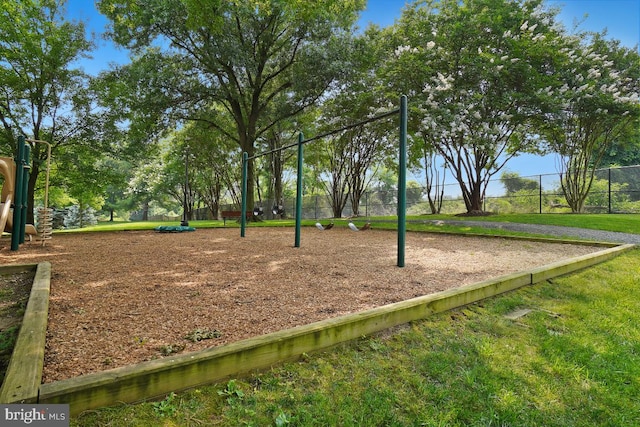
474	68
193	57
43	95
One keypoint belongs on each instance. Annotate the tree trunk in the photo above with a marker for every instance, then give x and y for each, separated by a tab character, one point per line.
145	211
434	187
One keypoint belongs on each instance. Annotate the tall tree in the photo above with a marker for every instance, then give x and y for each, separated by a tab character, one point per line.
42	96
215	166
359	98
593	104
194	56
474	67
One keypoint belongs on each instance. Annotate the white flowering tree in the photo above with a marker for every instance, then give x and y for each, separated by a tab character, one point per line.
593	103
475	68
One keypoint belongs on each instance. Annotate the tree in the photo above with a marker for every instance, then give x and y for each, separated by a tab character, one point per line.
79	217
356	150
594	102
42	96
474	67
434	180
333	166
215	166
115	199
513	183
147	185
194	57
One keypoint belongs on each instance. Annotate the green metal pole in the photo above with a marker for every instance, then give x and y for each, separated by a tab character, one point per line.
299	191
402	182
25	191
243	209
17	204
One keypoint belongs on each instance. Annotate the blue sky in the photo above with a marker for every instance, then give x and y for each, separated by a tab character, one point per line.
620	17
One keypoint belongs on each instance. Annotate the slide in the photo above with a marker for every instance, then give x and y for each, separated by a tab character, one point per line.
8	172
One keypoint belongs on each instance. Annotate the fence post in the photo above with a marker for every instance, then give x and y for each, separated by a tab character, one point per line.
540	191
366	204
609	210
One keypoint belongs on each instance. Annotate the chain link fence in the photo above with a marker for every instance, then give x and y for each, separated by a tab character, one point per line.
614	190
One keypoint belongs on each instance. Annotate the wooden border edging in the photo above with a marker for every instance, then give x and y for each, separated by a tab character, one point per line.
567	266
24	374
156	378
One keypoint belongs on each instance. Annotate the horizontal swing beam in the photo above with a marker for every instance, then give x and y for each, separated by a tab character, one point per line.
326	134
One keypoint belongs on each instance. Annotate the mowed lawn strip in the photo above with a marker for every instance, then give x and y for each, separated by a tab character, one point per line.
572	359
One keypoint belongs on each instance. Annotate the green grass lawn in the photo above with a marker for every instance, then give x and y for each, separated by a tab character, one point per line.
573	360
627	223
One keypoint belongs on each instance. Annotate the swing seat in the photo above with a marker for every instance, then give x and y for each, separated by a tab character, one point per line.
353	227
322	228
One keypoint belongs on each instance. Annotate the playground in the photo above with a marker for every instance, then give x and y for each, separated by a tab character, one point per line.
126	297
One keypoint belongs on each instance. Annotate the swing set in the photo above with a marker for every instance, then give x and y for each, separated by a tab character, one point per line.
402	177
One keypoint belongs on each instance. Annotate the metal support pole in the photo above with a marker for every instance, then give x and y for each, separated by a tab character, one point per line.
17	204
243	191
402	182
299	191
185	220
25	191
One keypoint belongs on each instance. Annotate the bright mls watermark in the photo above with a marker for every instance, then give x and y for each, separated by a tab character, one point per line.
34	415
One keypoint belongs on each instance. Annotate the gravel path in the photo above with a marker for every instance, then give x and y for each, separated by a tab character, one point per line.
553	230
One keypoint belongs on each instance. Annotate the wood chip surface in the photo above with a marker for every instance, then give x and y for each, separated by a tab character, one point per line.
120	298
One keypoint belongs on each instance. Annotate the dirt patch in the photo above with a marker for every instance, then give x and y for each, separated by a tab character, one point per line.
126	297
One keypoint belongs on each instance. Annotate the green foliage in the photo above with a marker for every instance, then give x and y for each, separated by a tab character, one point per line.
203	334
44	96
79	217
600	191
166	407
513	183
8	339
592	106
232	393
231	65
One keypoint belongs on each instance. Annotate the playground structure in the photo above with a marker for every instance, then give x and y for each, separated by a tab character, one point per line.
402	111
13	203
